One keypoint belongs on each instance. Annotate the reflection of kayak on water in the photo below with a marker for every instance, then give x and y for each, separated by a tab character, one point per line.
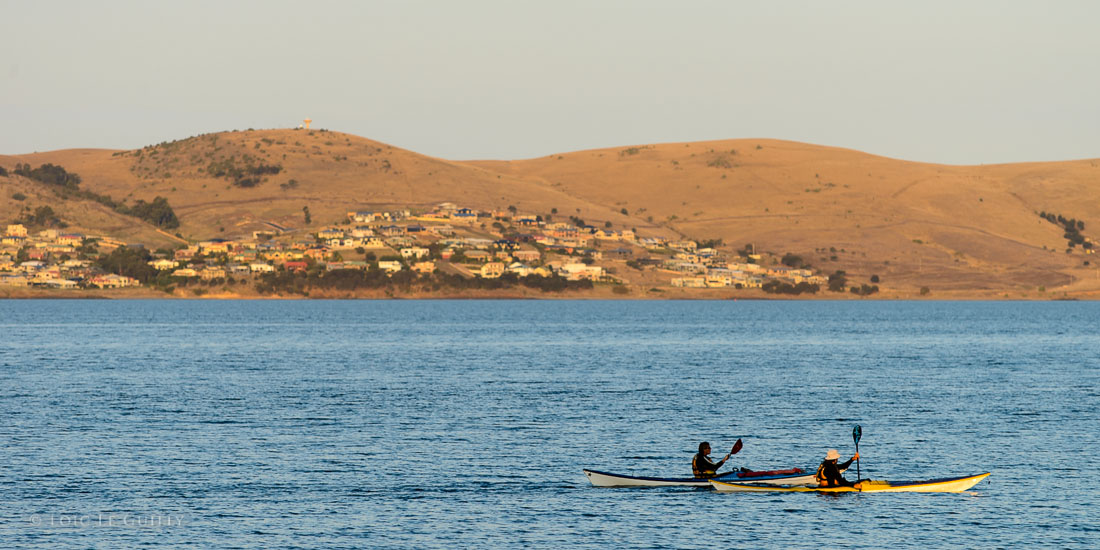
792	476
944	485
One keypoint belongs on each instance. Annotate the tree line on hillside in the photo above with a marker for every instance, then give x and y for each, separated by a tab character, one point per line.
67	184
302	282
134	262
42	216
838	281
1072	227
49	174
248	174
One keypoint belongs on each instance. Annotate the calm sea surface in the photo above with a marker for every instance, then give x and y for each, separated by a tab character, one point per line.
453	424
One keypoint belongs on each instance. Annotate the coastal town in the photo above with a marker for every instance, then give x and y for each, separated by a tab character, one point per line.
448	239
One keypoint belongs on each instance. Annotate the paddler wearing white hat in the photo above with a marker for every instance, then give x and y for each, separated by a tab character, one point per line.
828	474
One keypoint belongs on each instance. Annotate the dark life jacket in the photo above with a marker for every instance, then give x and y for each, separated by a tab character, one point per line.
828	474
702	467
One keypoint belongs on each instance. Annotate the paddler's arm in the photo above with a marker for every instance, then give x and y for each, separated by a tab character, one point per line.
723	461
845	465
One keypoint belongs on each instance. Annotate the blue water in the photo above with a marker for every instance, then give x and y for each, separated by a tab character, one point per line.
453	424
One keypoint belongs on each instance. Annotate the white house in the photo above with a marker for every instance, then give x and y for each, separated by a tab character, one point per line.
390	266
414	252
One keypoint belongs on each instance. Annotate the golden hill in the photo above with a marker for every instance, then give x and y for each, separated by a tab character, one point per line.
331	173
913	224
971	228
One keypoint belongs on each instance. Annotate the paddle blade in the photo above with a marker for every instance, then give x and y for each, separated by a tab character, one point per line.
737	447
857	433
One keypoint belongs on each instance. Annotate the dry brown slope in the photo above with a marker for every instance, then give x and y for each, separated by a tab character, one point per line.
82	216
331	173
976	225
916	224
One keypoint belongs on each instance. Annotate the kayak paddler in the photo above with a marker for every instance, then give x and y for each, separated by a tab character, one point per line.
702	467
828	474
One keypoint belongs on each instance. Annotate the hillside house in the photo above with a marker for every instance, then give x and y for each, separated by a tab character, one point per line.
210	273
416	252
164	264
344	243
747	268
578	241
478	243
245	256
491	270
685	267
13	280
362	231
185	254
14	240
424	268
579	271
185	272
683	245
443	230
621	253
362	217
400	242
70	239
113	281
60	283
390	266
464	215
690	282
719	279
16	230
32	266
527	255
216	246
356	264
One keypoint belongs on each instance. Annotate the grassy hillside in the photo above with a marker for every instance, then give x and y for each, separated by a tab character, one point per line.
331	173
971	228
914	224
21	197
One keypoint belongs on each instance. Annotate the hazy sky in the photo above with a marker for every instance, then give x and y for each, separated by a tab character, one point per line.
955	82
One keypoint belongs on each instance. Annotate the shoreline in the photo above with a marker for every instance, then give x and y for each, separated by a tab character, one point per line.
605	294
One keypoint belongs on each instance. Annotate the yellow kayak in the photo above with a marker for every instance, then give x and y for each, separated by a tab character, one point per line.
944	485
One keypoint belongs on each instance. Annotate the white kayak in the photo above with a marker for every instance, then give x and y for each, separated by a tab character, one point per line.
792	476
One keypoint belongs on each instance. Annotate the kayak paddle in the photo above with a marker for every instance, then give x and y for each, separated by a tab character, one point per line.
857	433
737	447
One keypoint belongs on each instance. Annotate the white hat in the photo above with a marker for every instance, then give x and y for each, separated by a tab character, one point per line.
833	454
